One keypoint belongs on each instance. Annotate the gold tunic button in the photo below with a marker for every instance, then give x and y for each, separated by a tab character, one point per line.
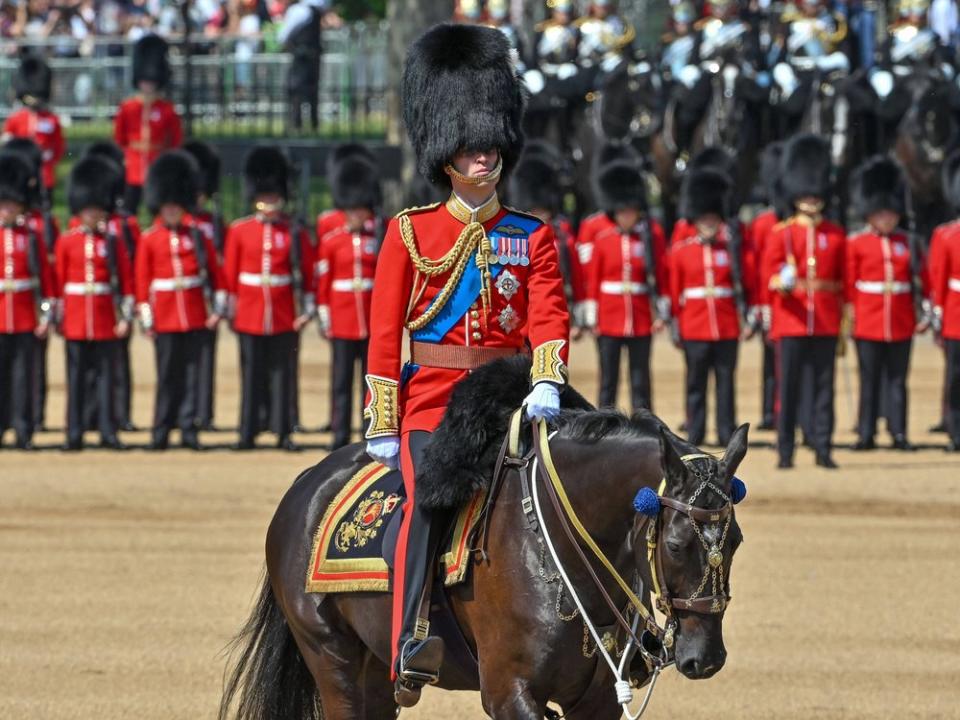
473	307
477	336
474	314
475	324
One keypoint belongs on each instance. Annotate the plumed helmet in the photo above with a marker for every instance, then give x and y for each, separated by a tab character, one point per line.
33	79
704	192
174	179
208	162
30	153
265	171
15	176
619	184
879	184
804	168
93	182
950	177
535	184
355	183
460	92
150	61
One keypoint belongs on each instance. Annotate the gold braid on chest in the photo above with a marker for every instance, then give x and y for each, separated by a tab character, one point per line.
472	243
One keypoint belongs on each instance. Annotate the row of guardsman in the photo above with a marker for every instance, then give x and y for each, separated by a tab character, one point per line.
787	275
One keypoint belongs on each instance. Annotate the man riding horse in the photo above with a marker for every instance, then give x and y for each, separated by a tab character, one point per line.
470	280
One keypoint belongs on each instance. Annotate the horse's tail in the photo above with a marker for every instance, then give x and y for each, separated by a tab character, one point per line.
269	680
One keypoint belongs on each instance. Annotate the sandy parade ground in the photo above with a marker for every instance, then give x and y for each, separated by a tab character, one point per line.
125	574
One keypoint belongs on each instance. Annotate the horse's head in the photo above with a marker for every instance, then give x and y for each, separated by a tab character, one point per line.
628	102
696	535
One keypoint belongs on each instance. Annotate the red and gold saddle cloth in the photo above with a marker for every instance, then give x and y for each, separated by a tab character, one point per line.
349	545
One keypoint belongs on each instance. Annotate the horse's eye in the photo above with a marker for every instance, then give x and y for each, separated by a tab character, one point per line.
673	546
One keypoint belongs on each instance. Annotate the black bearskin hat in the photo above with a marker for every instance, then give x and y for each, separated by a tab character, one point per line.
173	178
30	153
714	157
879	184
112	153
355	183
460	92
265	171
209	164
618	185
349	150
33	79
93	184
705	191
535	184
768	173
150	61
950	176
15	176
804	168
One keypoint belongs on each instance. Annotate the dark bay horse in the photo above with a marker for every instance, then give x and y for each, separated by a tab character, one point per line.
306	656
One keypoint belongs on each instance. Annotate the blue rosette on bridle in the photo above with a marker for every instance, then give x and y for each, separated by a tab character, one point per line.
647	502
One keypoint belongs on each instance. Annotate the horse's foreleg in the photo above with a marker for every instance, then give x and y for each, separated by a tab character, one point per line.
378	699
512	700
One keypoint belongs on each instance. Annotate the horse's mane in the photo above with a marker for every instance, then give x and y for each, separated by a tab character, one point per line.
591	426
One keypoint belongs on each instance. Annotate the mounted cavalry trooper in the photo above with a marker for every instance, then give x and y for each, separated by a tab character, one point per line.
26	299
269	275
95	279
346	260
179	292
469	279
35	120
884	293
709	297
605	36
147	123
207	216
626	280
804	265
498	17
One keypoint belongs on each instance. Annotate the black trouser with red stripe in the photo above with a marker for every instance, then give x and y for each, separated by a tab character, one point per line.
346	355
40	382
768	387
17	354
266	377
702	357
801	358
953	389
86	359
879	362
638	349
178	379
207	374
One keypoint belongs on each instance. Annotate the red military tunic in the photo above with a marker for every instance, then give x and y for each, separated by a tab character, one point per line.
328	222
815	305
205	221
345	270
616	278
115	225
258	275
20	289
944	269
144	131
526	302
759	233
879	286
43	127
83	277
702	289
168	278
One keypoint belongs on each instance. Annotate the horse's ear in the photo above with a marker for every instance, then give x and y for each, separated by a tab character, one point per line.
736	449
673	468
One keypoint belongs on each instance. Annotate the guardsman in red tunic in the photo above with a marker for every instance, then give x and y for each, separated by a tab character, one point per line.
804	266
95	280
207	216
40	220
179	292
346	263
709	294
26	298
535	188
147	123
944	269
269	275
464	278
35	121
627	283
758	232
884	291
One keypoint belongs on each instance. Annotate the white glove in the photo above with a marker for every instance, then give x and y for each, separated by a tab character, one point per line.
543	402
788	277
385	450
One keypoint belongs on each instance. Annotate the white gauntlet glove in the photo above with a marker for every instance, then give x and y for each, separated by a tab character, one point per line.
543	402
385	450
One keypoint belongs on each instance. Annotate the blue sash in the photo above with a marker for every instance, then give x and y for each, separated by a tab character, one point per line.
513	231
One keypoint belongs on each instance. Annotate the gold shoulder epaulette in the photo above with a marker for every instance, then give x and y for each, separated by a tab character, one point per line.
544	24
581	20
417	209
789	15
782	224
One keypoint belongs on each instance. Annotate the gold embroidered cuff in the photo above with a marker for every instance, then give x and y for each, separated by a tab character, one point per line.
547	363
383	411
